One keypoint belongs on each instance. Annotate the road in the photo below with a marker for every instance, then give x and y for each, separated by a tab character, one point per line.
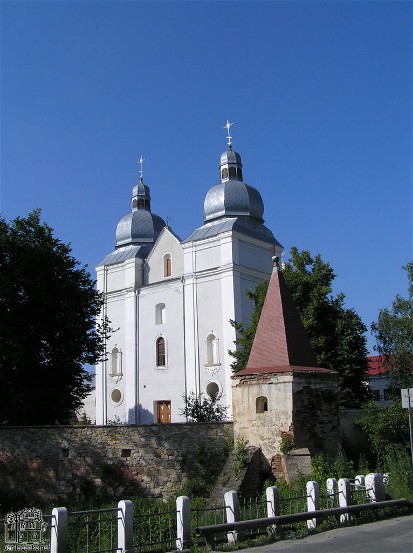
386	536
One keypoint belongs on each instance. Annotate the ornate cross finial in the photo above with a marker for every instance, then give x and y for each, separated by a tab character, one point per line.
229	137
141	160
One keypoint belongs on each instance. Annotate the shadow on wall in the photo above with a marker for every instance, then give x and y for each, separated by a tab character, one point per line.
87	464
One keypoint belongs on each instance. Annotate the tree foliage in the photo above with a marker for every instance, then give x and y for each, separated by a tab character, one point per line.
387	428
48	307
202	410
336	333
394	335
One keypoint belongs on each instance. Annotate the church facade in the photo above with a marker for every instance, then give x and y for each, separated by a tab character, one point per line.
171	300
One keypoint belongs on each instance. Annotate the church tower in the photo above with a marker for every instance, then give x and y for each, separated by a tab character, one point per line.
171	300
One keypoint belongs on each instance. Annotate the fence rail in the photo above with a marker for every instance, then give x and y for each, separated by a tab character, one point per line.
119	529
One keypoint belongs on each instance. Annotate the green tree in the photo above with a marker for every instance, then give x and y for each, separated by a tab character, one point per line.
48	309
387	428
336	333
202	410
394	335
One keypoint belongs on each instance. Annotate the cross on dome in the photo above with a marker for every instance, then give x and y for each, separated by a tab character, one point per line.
229	137
141	160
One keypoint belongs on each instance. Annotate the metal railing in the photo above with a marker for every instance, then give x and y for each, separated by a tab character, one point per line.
93	531
155	530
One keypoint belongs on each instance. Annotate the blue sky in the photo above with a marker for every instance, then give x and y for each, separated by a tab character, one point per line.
320	94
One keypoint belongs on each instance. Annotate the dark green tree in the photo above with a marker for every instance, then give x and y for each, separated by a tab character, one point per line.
336	333
48	310
394	336
202	410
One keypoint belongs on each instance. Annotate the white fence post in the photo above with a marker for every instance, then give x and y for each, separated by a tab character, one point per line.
273	504
125	526
183	522
344	497
375	487
331	485
313	502
58	538
233	513
359	482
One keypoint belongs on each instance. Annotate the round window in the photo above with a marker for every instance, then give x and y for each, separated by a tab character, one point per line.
116	395
212	390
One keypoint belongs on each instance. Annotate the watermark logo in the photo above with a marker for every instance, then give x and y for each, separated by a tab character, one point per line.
25	531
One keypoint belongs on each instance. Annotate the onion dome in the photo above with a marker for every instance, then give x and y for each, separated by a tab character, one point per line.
140	227
232	197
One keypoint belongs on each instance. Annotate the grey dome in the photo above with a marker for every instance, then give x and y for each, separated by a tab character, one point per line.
232	197
139	227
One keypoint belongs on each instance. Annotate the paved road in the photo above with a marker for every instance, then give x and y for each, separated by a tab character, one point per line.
387	536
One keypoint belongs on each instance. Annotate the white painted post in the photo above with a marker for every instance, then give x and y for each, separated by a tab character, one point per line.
273	504
58	538
360	482
125	526
183	522
313	502
233	513
375	487
344	497
331	485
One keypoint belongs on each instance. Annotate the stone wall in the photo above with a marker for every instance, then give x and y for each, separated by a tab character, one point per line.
60	463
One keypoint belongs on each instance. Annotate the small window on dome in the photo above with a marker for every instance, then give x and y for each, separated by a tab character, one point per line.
232	172
147	204
224	173
134	203
239	173
141	203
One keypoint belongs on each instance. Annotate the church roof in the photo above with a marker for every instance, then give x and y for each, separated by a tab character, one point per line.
281	343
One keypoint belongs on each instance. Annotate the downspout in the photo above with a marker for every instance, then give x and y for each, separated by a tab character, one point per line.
184	333
137	418
105	360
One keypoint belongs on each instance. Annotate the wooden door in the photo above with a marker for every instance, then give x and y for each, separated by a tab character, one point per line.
163	412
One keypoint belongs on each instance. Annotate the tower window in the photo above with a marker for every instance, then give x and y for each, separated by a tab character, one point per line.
167	265
116	361
147	204
141	202
232	172
224	173
239	173
261	404
212	357
160	314
160	352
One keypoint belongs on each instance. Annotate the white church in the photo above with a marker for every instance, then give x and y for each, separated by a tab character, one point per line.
172	300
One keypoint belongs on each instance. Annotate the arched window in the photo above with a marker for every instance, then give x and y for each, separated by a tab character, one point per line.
160	352
141	202
147	204
212	353
160	314
224	173
116	361
261	404
232	172
167	265
239	173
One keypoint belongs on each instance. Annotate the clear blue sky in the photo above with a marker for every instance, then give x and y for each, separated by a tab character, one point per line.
320	94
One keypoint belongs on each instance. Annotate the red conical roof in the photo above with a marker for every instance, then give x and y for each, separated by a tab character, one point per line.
281	343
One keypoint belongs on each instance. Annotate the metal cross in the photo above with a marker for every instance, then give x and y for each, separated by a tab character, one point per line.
229	137
141	160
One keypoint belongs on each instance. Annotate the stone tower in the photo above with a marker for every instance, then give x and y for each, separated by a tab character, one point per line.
282	394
